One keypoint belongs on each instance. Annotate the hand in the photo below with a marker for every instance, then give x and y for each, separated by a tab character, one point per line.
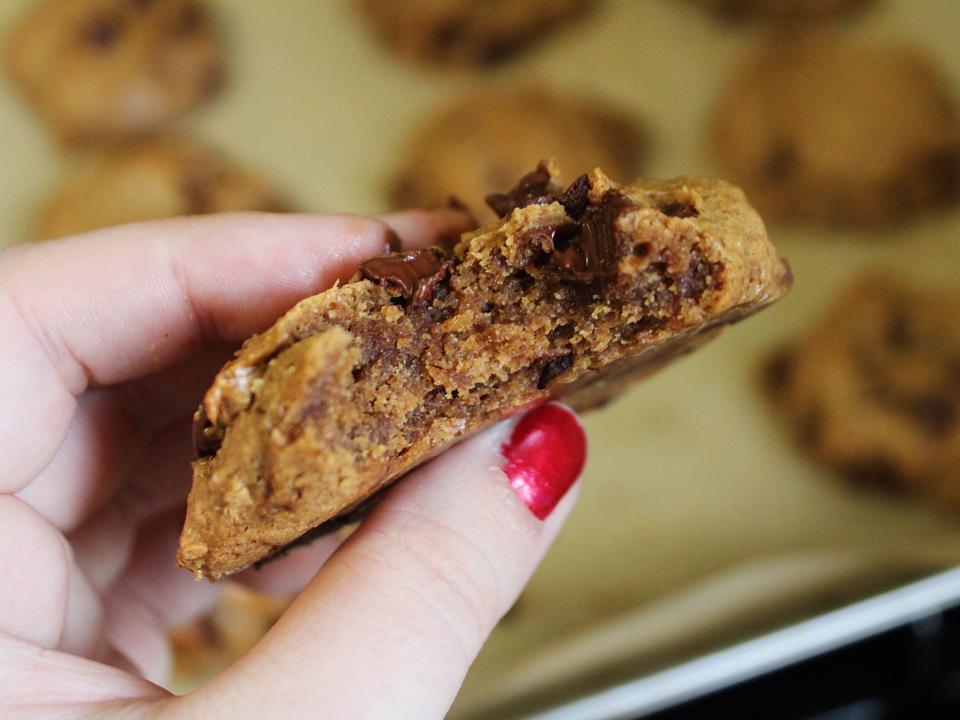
107	341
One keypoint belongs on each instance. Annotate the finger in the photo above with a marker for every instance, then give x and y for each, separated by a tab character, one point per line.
45	598
112	305
392	622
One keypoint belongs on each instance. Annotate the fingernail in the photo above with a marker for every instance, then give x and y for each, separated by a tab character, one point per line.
544	455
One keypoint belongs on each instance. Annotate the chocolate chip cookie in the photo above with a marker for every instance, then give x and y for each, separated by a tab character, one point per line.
783	10
857	135
466	32
572	293
152	180
489	138
873	389
106	69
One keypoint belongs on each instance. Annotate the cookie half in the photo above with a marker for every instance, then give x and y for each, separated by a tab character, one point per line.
574	292
152	180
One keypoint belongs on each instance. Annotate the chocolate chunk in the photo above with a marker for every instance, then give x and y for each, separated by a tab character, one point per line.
934	412
644	324
899	335
561	332
205	438
698	276
880	471
192	20
196	190
593	250
778	370
393	241
781	163
575	198
103	34
534	188
415	273
679	209
553	369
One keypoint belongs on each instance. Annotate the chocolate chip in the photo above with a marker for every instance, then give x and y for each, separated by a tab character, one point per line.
415	273
594	250
192	20
942	170
103	34
679	209
934	412
698	276
811	426
561	332
197	191
781	163
880	471
898	333
553	369
575	198
447	36
641	250
644	324
778	370
205	439
534	188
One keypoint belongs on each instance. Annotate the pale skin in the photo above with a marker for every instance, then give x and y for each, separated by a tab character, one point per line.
107	341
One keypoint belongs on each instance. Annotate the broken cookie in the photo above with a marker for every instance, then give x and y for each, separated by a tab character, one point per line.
573	292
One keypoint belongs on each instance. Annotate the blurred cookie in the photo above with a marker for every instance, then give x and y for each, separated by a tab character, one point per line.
236	623
873	389
838	134
782	10
465	32
153	180
108	69
483	142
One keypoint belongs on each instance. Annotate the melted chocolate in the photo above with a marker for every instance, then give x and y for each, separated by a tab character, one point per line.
534	188
415	273
593	250
205	440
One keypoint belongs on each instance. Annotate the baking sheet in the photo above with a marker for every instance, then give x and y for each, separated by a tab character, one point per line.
699	523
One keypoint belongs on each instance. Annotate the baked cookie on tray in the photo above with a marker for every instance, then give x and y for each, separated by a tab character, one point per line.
783	10
572	293
827	132
490	137
107	69
150	180
873	388
466	32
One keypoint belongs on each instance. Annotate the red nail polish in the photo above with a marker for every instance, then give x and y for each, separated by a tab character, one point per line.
545	454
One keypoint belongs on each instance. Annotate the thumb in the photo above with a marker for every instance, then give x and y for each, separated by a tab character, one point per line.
391	623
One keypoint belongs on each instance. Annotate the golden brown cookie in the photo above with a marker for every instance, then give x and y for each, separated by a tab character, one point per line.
873	388
466	32
108	69
151	180
832	133
574	292
784	11
489	138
